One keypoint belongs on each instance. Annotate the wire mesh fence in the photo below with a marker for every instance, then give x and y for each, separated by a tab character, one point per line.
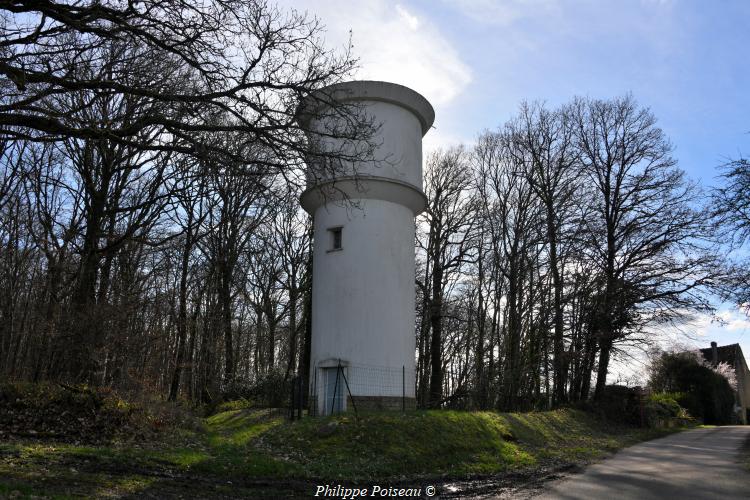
359	387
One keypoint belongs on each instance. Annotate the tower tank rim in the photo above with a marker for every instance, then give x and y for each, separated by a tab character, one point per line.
360	187
368	90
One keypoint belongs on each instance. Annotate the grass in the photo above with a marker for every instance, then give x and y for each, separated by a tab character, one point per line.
445	443
247	452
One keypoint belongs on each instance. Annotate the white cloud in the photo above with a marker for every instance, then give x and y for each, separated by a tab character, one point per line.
438	139
395	44
502	13
411	20
734	320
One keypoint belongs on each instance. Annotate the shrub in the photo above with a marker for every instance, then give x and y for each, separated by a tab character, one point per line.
703	392
662	407
619	403
73	413
235	404
268	390
78	413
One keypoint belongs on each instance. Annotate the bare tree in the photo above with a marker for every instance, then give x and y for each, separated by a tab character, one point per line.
241	200
517	214
731	209
123	196
646	236
546	147
190	214
292	235
245	61
732	201
449	219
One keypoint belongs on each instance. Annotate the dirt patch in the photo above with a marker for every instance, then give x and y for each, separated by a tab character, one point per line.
518	484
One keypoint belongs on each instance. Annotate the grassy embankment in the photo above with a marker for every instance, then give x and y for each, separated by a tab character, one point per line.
251	452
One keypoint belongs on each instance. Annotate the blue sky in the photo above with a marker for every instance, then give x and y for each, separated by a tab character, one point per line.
476	60
688	61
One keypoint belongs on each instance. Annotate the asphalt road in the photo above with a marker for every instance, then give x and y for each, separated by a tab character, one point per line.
696	464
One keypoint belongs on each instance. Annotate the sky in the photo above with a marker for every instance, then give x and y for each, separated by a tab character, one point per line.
477	60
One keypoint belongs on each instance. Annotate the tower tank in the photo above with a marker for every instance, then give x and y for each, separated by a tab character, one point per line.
363	295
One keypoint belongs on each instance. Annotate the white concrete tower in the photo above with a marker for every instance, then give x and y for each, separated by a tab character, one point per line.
363	302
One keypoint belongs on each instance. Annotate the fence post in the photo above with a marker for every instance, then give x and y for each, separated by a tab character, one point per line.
351	396
403	388
335	386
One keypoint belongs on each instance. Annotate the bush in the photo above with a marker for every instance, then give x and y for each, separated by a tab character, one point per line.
619	403
663	407
269	390
622	404
704	393
77	413
234	404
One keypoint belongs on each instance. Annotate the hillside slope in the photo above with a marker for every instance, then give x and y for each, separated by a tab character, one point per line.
251	452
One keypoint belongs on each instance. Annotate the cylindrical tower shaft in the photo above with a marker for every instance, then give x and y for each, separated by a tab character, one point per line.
363	304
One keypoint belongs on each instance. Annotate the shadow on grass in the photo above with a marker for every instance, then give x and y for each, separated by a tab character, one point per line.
255	453
220	463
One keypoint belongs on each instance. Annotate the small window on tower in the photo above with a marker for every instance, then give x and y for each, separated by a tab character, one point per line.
335	238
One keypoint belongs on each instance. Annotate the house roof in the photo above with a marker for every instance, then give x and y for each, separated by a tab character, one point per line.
728	354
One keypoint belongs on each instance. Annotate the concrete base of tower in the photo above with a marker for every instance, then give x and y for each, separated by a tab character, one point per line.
368	403
382	403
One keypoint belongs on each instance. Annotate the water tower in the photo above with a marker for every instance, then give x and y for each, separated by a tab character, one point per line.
363	297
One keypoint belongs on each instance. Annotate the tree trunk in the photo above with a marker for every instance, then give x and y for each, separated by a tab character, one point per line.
436	342
605	345
226	321
292	325
560	365
174	387
304	361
